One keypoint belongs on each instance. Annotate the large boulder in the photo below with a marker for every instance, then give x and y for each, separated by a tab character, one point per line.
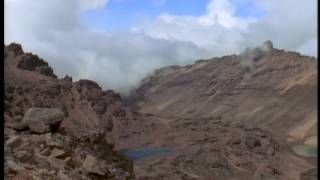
42	120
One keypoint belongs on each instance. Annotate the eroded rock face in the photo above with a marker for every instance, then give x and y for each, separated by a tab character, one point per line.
264	86
52	125
227	117
85	105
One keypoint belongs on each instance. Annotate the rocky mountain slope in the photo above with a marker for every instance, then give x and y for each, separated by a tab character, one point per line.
226	118
209	148
56	128
264	87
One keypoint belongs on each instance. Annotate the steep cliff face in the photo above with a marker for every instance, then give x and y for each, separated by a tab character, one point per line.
56	128
264	87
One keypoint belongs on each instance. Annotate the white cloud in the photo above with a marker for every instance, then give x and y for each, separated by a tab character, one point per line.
309	47
218	31
119	61
221	32
222	12
289	24
115	60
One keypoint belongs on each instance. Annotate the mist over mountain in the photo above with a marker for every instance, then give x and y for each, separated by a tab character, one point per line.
160	89
250	116
120	60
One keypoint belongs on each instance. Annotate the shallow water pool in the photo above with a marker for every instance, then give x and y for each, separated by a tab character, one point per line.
139	154
305	150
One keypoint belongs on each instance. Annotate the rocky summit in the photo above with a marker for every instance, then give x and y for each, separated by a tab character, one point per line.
235	117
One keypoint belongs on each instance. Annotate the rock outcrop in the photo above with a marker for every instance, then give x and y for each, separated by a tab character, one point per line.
32	62
41	120
57	129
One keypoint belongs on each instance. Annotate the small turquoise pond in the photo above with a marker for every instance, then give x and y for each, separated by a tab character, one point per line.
139	154
305	150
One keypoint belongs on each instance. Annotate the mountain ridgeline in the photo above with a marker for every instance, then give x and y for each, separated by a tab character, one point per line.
226	118
264	87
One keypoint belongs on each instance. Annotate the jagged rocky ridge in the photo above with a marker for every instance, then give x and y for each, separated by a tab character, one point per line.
56	128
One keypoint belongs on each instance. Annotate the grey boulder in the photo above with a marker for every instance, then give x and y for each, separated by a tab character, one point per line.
42	120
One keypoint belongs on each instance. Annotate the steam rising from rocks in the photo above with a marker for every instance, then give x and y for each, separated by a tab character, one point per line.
250	55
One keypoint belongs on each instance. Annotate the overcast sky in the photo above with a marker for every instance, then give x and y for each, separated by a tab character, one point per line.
119	42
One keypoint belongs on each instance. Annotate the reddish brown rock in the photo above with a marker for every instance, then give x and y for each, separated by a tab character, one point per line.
222	118
37	103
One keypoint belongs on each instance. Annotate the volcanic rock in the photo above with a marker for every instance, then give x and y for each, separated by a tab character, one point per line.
52	124
222	118
14	167
278	93
91	165
32	62
262	96
41	120
13	141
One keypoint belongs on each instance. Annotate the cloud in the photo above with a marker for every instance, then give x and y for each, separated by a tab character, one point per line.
251	55
309	47
289	27
218	31
119	60
222	32
116	60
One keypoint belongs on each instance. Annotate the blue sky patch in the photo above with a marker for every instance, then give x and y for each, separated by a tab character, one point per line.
121	15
